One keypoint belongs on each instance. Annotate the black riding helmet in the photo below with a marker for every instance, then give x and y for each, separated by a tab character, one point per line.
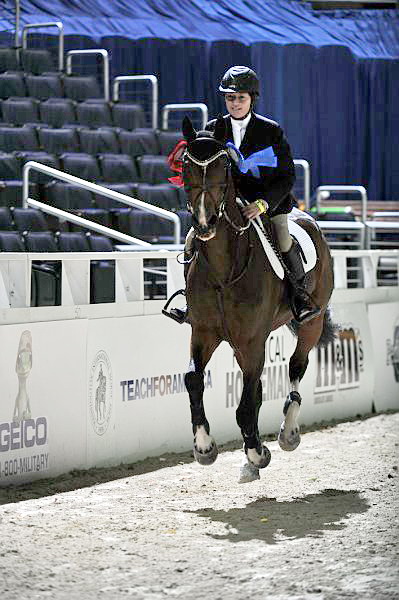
240	79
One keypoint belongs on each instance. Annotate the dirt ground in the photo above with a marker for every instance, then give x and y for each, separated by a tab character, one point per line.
322	523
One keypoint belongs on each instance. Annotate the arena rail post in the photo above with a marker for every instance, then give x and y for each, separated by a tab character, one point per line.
305	166
342	189
133	78
60	28
194	106
101	52
99	189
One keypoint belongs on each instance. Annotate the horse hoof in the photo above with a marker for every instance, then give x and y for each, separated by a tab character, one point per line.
207	457
259	461
289	440
248	472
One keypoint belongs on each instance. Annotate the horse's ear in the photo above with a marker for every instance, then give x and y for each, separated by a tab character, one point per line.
188	130
220	129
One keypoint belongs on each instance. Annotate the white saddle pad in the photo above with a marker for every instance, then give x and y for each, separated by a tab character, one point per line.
309	255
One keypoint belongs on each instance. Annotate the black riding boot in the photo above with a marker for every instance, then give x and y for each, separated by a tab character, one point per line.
180	314
302	305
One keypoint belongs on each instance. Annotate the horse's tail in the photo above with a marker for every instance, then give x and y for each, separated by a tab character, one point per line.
328	334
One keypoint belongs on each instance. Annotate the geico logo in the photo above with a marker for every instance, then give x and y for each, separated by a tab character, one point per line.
26	434
340	362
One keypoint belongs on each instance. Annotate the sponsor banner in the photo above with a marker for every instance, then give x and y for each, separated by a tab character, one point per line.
384	324
42	421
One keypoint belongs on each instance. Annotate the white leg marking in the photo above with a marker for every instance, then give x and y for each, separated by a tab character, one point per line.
253	456
248	472
291	418
202	214
294	385
202	440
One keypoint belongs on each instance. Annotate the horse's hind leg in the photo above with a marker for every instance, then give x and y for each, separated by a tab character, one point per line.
308	335
202	348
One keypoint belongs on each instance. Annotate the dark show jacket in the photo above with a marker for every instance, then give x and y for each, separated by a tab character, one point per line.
275	183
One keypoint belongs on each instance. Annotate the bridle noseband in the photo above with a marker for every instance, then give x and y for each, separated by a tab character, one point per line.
207	187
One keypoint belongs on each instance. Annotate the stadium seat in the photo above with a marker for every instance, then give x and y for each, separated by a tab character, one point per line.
6	223
139	142
128	116
36	61
154	169
100	243
67	196
11	192
8	60
118	168
94	114
168	140
18	138
81	165
127	189
29	219
19	111
72	242
98	141
11	241
163	195
40	241
44	86
81	88
58	141
12	84
97	215
58	112
41	157
10	168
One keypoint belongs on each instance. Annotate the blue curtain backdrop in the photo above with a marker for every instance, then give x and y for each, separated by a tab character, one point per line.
331	80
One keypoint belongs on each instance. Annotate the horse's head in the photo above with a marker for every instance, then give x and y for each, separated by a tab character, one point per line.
206	166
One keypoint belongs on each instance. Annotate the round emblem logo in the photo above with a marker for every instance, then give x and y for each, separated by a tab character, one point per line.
100	392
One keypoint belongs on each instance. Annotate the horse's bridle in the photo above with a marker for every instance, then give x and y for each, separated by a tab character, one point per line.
206	187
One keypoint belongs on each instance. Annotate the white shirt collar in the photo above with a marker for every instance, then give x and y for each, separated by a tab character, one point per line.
239	128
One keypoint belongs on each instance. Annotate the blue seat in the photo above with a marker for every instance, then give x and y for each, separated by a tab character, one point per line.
6	223
81	88
40	241
163	195
11	241
18	138
128	189
72	242
44	86
41	157
98	141
168	140
100	243
11	192
19	111
29	219
139	142
36	61
128	116
82	165
97	215
154	169
58	112
10	168
58	141
118	168
94	114
12	84
67	196
8	60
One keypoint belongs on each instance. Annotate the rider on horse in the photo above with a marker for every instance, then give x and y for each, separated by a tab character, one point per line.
265	189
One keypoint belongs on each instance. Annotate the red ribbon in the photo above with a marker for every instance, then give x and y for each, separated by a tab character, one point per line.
176	164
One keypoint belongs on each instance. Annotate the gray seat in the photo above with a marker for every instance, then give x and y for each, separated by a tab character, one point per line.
6	223
8	60
58	112
67	196
139	142
11	241
94	114
10	168
36	62
163	195
58	141
41	157
81	88
82	165
29	219
99	141
168	140
128	116
20	111
118	168
18	138
12	84
154	169
44	86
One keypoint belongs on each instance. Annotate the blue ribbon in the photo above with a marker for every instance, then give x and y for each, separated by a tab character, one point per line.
263	158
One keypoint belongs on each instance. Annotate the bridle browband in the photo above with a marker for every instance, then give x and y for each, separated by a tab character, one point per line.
204	187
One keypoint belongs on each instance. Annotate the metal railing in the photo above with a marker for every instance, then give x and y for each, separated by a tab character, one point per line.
195	106
60	28
135	78
17	22
93	187
100	52
342	189
305	166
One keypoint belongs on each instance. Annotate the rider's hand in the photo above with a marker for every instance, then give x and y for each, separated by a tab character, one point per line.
253	209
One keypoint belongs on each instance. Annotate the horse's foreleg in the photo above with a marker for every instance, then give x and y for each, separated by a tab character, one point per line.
308	335
202	348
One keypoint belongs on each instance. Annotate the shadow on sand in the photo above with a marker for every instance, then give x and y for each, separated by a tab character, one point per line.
271	521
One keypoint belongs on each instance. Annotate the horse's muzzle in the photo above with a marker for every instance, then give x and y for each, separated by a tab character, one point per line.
207	230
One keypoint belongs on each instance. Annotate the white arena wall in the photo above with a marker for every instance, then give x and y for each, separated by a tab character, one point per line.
93	385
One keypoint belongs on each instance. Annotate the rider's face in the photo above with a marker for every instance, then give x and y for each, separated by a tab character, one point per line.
238	104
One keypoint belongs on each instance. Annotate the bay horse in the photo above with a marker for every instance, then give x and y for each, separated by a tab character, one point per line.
234	295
